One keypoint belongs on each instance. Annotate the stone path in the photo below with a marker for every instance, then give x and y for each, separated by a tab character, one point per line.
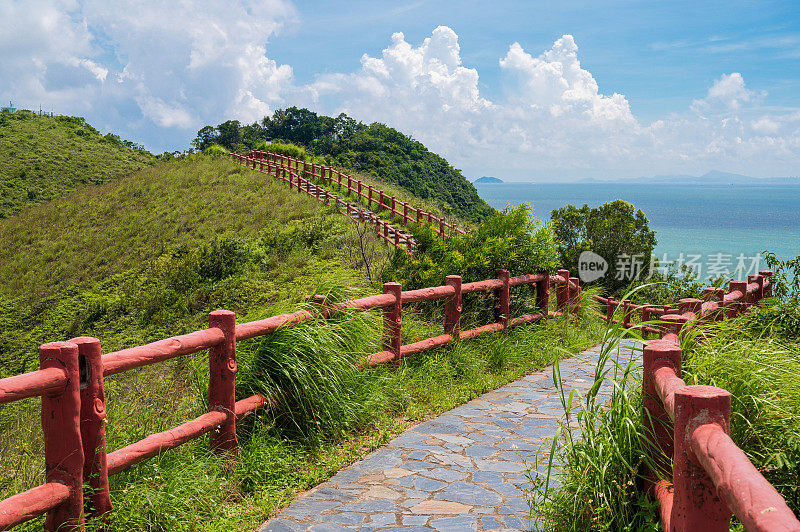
464	470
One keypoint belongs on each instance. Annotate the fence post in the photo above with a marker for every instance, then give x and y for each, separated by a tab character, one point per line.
501	305
93	425
758	295
658	354
441	227
562	290
645	319
419	215
380	200
359	190
610	309
63	449
696	504
369	196
767	276
673	323
393	320
222	381
737	307
574	295
452	307
543	294
405	213
394	204
396	238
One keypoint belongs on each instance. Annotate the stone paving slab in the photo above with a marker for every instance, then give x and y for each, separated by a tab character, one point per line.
464	470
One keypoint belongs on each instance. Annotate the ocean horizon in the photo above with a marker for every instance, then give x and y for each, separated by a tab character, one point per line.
706	224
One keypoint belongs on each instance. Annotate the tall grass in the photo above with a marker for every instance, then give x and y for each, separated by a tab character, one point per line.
604	449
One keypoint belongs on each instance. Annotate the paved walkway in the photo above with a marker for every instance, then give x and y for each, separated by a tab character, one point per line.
464	470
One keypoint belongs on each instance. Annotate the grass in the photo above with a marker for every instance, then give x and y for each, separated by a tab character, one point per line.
149	255
331	416
600	469
44	157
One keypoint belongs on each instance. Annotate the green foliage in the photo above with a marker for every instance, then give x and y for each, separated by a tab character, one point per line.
215	150
283	148
42	158
510	239
760	372
786	277
374	149
591	476
613	230
148	256
668	288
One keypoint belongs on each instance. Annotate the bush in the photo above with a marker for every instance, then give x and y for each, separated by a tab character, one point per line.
284	148
215	150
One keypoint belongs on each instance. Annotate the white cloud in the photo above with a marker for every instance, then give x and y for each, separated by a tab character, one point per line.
158	71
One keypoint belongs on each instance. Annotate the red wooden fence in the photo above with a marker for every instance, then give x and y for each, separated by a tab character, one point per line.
385	231
70	384
712	478
355	187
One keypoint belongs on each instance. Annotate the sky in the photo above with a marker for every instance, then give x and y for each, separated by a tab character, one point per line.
525	91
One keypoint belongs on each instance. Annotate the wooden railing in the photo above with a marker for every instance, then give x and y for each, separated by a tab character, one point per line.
716	304
73	410
712	478
387	232
356	188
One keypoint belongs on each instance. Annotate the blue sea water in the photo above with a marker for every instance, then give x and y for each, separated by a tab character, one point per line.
705	220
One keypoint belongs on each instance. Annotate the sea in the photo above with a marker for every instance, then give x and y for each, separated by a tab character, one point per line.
710	228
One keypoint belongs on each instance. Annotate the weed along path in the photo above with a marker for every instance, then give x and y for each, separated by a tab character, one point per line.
464	470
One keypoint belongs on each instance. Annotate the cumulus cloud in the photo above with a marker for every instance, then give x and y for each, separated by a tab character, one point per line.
157	71
132	64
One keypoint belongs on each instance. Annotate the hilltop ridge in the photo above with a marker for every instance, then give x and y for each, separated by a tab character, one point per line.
44	157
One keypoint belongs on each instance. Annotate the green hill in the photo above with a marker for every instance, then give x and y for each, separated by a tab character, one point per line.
375	149
43	157
150	254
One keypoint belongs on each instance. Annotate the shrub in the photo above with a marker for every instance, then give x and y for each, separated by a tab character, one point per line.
215	150
284	148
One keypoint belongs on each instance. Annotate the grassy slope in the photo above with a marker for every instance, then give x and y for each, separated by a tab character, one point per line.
141	256
42	158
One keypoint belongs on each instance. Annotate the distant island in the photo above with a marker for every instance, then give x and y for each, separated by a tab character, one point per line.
487	179
713	177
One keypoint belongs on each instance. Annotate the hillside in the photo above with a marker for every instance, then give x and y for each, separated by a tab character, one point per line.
151	253
44	157
374	149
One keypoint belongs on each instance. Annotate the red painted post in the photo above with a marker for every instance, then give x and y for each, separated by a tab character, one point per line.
562	291
359	190
93	425
690	304
767	275
736	308
658	354
394	204
369	196
501	305
430	218
380	200
610	309
393	320
419	215
396	238
575	295
452	307
441	227
405	213
543	294
673	323
222	381
386	232
696	504
759	294
63	448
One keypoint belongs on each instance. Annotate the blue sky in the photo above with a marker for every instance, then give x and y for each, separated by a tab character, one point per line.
522	90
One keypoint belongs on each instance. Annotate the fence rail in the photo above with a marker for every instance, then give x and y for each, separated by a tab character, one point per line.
712	478
384	230
355	187
73	409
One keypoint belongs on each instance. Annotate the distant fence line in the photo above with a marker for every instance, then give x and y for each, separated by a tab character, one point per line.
384	230
355	187
73	410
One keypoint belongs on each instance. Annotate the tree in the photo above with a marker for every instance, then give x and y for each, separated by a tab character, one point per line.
205	138
616	231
